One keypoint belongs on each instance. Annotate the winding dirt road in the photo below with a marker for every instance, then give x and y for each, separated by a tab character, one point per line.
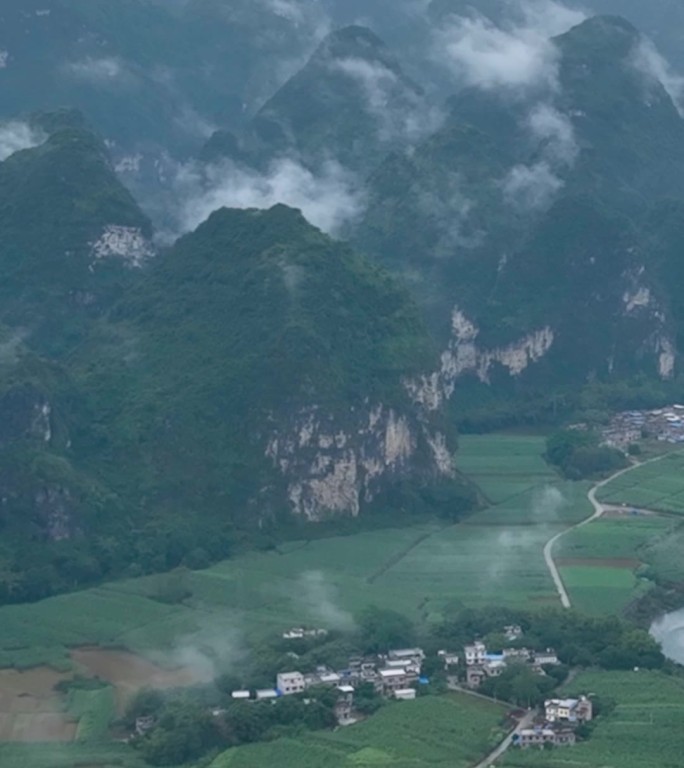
599	509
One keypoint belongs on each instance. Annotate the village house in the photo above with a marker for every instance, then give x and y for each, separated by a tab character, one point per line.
539	736
301	633
408	655
266	694
405	694
569	710
144	724
345	704
513	632
395	679
241	695
520	655
545	657
475	653
449	659
474	676
494	665
289	683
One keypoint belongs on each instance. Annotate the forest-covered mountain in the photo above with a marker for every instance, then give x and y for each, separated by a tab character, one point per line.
160	404
258	262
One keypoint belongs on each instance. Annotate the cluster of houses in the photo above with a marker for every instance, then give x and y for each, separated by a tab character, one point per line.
480	664
629	427
393	675
558	725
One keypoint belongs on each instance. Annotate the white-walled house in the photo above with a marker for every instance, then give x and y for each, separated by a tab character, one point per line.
289	683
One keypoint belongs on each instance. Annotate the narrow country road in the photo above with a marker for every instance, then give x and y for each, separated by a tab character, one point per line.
526	722
599	509
492	757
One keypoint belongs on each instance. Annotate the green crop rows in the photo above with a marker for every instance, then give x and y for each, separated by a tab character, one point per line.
643	730
453	730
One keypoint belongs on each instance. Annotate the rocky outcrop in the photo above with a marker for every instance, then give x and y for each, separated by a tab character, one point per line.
642	305
464	356
25	413
335	470
127	244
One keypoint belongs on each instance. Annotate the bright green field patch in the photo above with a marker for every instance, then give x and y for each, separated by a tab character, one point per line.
504	465
644	731
595	586
658	485
453	730
478	565
95	711
600	590
598	577
613	537
560	503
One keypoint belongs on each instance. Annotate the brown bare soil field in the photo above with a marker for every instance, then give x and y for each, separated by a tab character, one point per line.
30	709
128	672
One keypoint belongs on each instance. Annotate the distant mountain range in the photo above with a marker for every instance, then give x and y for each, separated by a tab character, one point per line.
503	256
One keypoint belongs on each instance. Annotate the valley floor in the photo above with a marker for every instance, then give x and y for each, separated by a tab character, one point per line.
178	626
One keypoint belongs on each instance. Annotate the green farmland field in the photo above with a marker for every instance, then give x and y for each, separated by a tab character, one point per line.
504	465
68	756
658	486
94	710
644	730
494	557
599	562
455	730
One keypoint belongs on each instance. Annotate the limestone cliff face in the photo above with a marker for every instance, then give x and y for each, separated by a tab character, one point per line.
336	466
37	487
646	314
464	356
126	244
642	330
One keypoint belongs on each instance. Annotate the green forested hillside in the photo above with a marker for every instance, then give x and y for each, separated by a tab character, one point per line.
162	407
57	201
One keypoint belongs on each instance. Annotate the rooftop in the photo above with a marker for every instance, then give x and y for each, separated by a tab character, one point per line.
566	703
402	652
392	672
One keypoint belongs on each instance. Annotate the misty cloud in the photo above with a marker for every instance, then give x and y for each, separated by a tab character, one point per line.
648	60
295	12
556	132
531	187
319	601
328	199
216	647
15	136
517	55
547	504
10	347
401	114
97	71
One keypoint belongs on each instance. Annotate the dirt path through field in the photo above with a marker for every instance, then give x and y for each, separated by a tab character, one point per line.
599	509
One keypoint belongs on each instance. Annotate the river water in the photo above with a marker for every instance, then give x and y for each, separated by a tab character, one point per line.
668	630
